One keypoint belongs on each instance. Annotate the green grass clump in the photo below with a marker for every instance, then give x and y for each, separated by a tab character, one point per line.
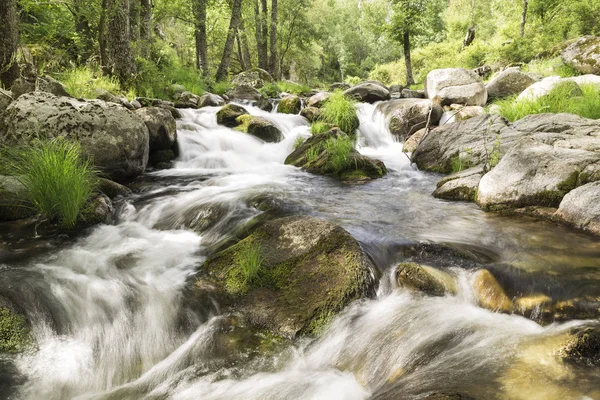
318	127
83	82
293	88
340	110
58	181
559	100
220	88
247	269
339	150
299	142
550	66
15	334
270	90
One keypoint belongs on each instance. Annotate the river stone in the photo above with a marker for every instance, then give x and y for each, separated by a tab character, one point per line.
412	94
583	348
98	211
455	86
107	96
290	105
112	189
116	139
536	174
318	100
368	92
6	98
254	78
187	100
581	207
259	127
410	145
406	116
310	270
149	102
161	126
312	114
357	168
546	85
50	85
461	185
425	279
210	100
509	82
13	205
244	92
584	55
227	116
489	294
460	113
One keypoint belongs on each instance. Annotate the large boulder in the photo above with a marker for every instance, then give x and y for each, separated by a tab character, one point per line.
536	174
406	116
210	100
291	276
581	207
259	127
318	100
368	92
116	139
187	100
460	186
455	86
228	115
290	105
509	82
584	55
161	127
244	92
255	78
546	85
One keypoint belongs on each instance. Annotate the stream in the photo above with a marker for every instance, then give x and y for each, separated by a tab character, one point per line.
111	320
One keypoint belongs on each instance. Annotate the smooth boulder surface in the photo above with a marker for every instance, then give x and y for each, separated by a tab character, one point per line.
406	116
260	128
489	294
116	139
227	116
509	82
455	86
461	186
255	78
311	113
581	207
411	144
584	55
425	279
368	92
318	100
161	127
290	105
457	112
310	270
546	85
105	95
210	100
244	92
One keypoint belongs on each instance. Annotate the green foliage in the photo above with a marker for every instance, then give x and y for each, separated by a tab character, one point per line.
220	88
247	269
353	80
299	141
389	74
83	82
293	88
270	90
313	153
15	334
339	149
559	100
318	127
460	162
340	110
57	180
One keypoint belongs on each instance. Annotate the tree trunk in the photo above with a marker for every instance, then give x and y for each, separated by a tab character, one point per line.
121	61
134	20
273	41
407	61
145	27
244	43
104	61
236	13
243	66
9	42
200	34
524	17
261	34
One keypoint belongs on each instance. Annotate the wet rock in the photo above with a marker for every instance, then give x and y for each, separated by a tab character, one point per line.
407	116
255	78
244	92
311	113
536	174
412	94
536	306
583	348
227	115
259	127
290	105
425	279
112	189
306	271
315	157
581	208
210	100
584	55
6	98
98	211
187	100
318	100
489	293
116	139
455	86
161	127
461	185
368	92
13	203
161	159
509	82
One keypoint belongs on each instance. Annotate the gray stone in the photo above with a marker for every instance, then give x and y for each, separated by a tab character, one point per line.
584	55
187	100
581	208
406	116
455	86
50	85
244	92
311	113
461	185
255	78
161	127
6	98
412	94
318	100
210	100
369	92
509	82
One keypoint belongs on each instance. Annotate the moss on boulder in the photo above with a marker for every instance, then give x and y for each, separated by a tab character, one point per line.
290	105
312	114
309	269
583	348
15	332
227	115
259	127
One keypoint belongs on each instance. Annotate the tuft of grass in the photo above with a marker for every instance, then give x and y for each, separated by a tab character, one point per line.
313	153
317	128
270	90
299	142
559	100
550	66
340	110
293	88
58	181
83	82
339	149
221	88
247	269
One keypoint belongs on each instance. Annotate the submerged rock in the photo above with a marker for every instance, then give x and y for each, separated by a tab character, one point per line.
291	276
259	127
368	92
290	105
584	55
583	348
116	139
227	116
406	116
425	279
489	293
112	189
455	86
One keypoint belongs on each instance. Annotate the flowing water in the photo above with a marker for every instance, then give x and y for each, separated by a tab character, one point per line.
112	321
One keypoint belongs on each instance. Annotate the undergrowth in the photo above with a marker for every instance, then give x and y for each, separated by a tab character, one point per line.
83	82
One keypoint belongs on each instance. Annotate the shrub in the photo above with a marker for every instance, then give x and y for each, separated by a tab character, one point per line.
340	110
57	181
220	88
83	82
390	73
353	80
293	88
551	66
270	90
247	269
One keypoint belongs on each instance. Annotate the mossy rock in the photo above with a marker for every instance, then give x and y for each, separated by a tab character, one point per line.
309	270
425	279
97	211
227	115
15	332
13	205
290	105
583	348
259	127
112	189
312	114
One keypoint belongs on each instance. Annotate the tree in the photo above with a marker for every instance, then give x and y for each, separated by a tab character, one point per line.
9	42
121	62
236	14
261	33
199	7
145	27
524	17
273	64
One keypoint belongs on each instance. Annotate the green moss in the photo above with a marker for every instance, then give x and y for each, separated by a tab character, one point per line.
317	128
246	271
290	105
15	334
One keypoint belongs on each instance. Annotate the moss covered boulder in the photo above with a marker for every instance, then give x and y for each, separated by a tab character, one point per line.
425	279
15	332
227	115
290	105
583	348
333	154
259	127
291	276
